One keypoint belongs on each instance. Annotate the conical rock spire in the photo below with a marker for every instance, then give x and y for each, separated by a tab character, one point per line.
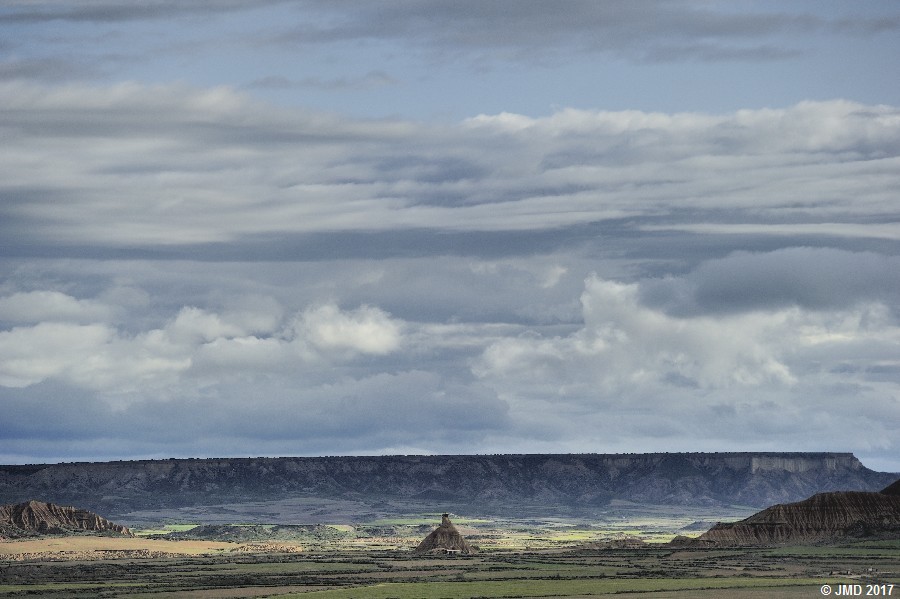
445	539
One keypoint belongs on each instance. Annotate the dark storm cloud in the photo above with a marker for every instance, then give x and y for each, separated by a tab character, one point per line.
811	278
410	406
51	411
412	409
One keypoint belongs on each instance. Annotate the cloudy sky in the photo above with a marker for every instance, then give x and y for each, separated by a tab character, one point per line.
316	227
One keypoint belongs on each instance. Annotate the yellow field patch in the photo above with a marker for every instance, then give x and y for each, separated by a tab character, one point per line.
90	547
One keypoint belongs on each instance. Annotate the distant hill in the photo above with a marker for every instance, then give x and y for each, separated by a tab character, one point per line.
824	517
37	517
499	483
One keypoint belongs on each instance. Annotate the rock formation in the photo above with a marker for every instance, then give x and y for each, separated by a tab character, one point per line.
37	517
445	539
823	518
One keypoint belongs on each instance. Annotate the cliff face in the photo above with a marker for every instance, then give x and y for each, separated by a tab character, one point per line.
498	481
821	518
47	518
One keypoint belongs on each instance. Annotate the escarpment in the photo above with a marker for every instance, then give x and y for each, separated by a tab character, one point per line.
503	483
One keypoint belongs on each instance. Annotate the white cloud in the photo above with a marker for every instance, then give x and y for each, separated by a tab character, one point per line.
29	355
252	355
793	348
190	351
624	346
634	376
194	326
366	330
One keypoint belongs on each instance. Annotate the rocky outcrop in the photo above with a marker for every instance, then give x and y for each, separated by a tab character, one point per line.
445	539
460	483
823	518
37	517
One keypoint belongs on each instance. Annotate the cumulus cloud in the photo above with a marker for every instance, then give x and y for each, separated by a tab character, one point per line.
634	372
192	348
624	344
32	354
640	370
365	330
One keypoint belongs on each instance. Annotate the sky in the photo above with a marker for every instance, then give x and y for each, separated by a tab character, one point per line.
272	228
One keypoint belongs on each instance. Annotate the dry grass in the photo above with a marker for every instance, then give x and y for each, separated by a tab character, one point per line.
75	547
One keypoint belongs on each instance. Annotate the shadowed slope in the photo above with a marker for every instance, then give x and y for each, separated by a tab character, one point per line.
893	489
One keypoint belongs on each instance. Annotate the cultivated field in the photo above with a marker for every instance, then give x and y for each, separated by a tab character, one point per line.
649	572
526	557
